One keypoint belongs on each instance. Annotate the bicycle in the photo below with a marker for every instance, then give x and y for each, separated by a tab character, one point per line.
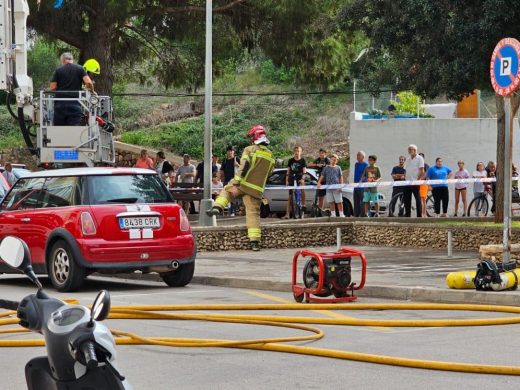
296	202
479	205
316	211
396	206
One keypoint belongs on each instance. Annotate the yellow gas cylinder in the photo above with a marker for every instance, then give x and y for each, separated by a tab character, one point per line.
464	280
461	279
509	280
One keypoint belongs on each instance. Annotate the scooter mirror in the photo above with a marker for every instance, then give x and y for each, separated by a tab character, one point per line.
101	306
13	252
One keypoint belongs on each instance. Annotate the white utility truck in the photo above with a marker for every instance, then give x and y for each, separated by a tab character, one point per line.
89	144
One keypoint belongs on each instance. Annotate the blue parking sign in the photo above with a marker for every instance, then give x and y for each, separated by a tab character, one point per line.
504	68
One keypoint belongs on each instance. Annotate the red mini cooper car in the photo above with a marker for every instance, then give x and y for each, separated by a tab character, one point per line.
82	220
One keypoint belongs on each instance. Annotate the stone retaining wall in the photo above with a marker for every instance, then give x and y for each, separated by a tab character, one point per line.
425	235
273	236
298	235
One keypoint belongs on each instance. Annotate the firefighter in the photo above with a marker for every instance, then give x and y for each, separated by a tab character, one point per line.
256	164
92	67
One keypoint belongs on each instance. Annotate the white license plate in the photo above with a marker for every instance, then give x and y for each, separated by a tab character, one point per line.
139	223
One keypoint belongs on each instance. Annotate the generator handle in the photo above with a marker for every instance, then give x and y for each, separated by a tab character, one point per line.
295	267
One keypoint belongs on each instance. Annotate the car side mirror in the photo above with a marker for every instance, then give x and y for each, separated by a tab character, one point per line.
100	307
15	253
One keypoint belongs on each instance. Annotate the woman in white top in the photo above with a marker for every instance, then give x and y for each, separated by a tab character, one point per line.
479	187
461	188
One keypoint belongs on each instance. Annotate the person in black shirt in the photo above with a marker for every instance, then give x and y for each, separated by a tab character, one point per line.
491	170
398	174
229	165
296	168
227	172
321	162
69	77
200	171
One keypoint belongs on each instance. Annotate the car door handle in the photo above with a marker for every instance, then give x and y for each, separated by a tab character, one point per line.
25	219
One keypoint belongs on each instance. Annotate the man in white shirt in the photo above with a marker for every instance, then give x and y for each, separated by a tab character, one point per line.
8	174
414	166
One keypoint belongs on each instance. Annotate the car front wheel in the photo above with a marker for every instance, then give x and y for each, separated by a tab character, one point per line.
65	273
180	277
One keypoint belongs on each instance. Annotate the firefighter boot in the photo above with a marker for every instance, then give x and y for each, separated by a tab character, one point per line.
214	211
255	246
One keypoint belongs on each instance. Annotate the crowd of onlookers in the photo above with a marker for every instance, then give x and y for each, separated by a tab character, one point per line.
326	167
188	173
411	167
328	172
414	167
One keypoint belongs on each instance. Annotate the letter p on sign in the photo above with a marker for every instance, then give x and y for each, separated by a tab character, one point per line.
505	66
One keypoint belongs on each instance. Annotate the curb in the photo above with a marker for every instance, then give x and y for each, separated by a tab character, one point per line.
419	294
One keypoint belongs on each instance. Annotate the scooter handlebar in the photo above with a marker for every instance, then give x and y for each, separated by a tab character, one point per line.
9	305
90	354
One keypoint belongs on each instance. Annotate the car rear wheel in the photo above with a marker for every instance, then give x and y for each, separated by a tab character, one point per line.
65	273
180	277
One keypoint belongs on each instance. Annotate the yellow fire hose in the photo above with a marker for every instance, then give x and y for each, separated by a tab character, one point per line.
158	312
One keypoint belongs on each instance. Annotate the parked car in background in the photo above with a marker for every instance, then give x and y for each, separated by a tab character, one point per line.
275	200
83	220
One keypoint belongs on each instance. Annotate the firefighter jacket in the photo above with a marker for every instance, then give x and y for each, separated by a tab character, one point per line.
256	164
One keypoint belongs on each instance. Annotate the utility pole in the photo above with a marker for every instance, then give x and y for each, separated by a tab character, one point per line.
207	202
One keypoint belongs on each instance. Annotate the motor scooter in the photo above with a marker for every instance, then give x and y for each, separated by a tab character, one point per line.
81	350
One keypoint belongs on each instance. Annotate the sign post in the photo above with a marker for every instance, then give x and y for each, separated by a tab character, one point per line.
505	78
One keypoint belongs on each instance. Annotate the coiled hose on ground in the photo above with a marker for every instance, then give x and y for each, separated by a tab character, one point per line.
178	312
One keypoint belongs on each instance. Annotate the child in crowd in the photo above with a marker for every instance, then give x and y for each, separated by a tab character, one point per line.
371	174
216	185
479	187
331	175
461	189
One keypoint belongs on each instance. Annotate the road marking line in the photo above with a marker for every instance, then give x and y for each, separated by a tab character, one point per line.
163	293
326	313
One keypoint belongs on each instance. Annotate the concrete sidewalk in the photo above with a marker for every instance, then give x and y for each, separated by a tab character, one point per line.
392	273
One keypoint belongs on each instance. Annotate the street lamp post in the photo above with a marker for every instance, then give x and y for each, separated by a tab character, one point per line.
361	54
206	203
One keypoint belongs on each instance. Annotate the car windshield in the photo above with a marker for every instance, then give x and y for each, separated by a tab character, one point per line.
111	189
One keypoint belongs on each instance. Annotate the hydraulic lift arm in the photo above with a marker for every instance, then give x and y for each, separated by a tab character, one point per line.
13	63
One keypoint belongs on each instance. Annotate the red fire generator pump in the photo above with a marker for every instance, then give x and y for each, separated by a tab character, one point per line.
327	274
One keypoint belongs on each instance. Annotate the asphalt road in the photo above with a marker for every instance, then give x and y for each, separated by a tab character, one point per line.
173	368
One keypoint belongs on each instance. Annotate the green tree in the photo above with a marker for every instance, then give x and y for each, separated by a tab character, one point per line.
434	47
42	59
169	35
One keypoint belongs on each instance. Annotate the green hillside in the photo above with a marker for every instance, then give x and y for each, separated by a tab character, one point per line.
312	121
